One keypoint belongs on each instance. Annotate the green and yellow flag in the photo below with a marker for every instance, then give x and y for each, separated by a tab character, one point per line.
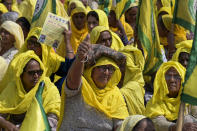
189	94
105	5
41	10
148	36
185	13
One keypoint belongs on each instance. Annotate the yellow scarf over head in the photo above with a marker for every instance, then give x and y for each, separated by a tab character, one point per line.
15	100
103	20
108	100
50	59
3	67
160	104
179	32
184	46
14	29
116	41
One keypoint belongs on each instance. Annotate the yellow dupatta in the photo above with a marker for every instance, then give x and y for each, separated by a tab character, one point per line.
184	46
50	59
14	29
108	100
116	41
15	100
179	32
3	67
3	9
133	83
103	20
160	104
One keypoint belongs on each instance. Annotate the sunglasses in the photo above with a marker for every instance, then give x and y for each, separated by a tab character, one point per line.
32	73
103	68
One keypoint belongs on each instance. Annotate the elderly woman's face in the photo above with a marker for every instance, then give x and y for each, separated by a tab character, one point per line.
6	38
79	20
31	75
105	39
184	58
102	74
32	44
173	80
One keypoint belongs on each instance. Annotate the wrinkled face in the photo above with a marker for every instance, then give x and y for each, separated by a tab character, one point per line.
8	4
102	74
92	22
31	75
184	58
79	20
173	80
112	19
7	39
131	15
105	39
33	44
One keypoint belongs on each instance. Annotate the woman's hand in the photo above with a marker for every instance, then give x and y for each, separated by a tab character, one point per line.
67	34
8	126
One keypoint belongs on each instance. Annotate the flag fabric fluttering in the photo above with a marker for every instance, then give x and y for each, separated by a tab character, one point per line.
189	93
185	13
148	36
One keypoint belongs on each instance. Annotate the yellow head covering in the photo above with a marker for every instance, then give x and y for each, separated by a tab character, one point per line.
130	122
15	100
50	59
3	67
166	3
103	20
165	9
108	100
184	46
161	104
14	29
134	4
116	41
179	32
3	8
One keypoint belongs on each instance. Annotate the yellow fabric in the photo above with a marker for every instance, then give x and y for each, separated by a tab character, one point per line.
165	9
3	9
161	104
130	122
184	46
163	41
14	29
103	19
108	100
50	59
21	101
128	29
106	6
166	3
78	3
3	67
133	83
60	10
77	35
116	41
179	32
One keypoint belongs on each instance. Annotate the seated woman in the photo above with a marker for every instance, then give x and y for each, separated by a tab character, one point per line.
132	81
137	123
183	52
163	108
78	30
29	97
93	101
11	40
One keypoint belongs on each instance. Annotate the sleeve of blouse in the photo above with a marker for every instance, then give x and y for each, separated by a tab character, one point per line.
161	123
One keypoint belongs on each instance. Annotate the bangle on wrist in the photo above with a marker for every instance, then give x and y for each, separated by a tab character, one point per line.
69	51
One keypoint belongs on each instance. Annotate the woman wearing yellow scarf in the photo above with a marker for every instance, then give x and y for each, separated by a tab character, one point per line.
3	9
102	35
164	106
93	101
11	6
95	18
183	52
11	40
25	103
78	28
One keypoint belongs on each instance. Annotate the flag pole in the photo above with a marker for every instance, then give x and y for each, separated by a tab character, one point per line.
180	117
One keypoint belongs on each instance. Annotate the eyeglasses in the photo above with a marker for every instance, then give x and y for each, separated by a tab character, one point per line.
32	73
33	43
176	77
103	68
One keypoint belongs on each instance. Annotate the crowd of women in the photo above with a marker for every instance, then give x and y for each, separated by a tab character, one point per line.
94	80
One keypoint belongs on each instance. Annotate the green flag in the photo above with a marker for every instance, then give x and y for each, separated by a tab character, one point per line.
148	36
185	13
189	94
